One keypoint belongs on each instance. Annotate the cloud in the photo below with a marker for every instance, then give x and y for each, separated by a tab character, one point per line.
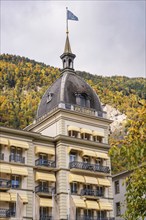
108	39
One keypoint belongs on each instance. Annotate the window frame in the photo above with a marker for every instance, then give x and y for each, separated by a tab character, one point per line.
118	209
117	186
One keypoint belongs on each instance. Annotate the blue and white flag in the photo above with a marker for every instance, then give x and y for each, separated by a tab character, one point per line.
71	16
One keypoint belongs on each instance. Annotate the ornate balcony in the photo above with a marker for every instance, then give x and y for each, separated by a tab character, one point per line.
16	158
44	190
7	213
46	163
45	217
90	192
5	184
89	166
1	156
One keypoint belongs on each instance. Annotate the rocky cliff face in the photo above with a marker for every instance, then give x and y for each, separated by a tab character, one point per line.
115	115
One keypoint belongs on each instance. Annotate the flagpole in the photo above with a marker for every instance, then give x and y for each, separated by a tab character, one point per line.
66	21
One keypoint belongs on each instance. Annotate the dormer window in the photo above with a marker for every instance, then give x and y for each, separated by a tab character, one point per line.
49	97
82	99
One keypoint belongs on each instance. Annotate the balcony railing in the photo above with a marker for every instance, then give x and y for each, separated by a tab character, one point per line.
5	184
90	192
6	213
88	166
1	156
47	163
83	217
42	189
17	158
45	217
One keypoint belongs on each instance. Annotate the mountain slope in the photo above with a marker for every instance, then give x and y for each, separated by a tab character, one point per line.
23	82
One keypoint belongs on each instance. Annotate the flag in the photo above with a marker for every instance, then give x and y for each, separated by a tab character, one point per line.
19	208
71	16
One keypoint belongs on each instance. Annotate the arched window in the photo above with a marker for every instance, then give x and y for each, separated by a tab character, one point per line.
70	63
64	63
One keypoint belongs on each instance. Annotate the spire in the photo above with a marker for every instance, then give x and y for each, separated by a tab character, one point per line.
67	48
67	57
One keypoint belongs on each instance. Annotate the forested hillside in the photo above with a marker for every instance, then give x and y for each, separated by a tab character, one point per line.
23	82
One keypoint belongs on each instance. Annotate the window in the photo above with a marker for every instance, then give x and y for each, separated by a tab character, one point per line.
86	159
74	188
88	190
73	134
15	181
43	158
88	213
49	97
70	63
118	209
16	155
73	156
43	186
85	136
117	187
98	139
45	212
100	191
1	154
101	214
99	161
82	99
12	207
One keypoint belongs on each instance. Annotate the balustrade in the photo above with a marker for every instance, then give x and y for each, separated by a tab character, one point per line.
45	217
43	189
88	166
44	162
17	158
90	192
84	217
6	213
4	183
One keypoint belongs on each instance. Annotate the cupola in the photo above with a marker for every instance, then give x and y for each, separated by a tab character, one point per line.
68	57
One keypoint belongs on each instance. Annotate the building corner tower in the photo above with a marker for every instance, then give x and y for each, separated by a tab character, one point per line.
72	114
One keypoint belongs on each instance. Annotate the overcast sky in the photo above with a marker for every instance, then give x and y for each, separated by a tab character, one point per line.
109	38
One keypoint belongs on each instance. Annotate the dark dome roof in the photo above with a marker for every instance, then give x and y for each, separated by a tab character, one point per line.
64	90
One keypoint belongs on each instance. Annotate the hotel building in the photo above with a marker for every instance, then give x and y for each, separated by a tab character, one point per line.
58	168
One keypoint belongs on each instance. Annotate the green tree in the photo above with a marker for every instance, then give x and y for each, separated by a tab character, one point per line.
131	151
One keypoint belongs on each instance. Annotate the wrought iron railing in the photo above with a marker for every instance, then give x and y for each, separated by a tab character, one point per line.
1	156
43	189
47	163
6	213
45	217
84	217
17	158
89	166
90	192
4	183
